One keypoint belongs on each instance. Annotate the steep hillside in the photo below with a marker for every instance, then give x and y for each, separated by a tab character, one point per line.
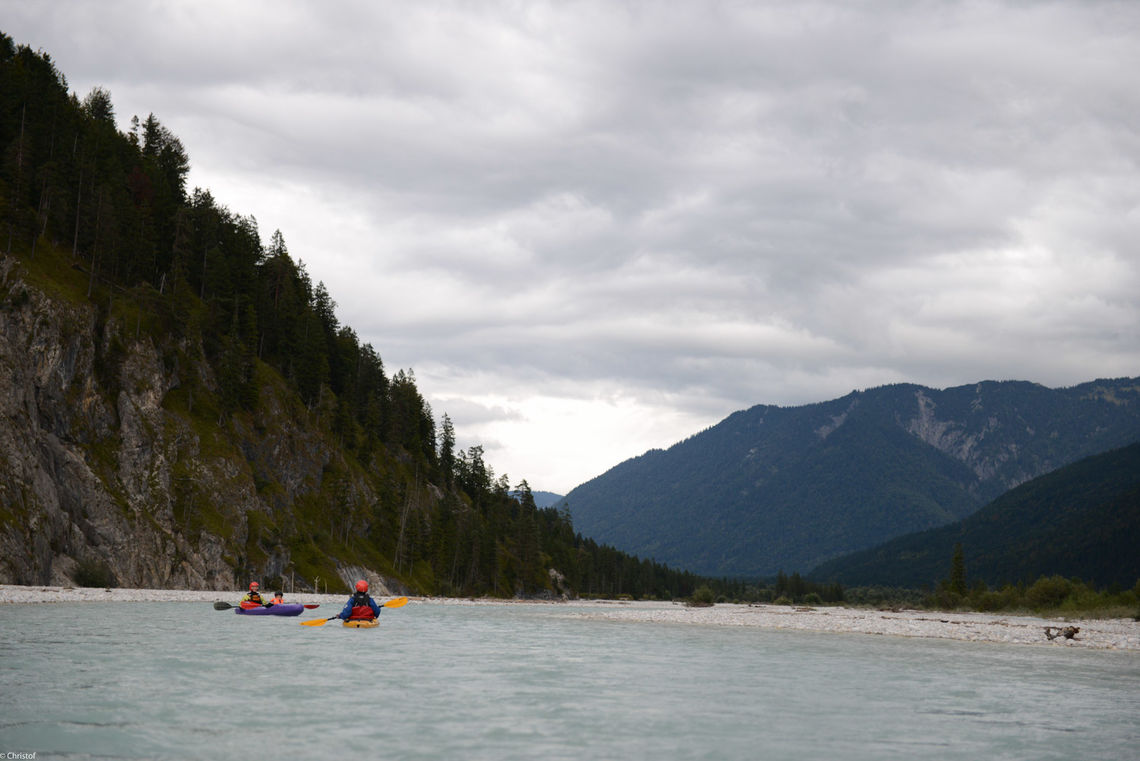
773	488
180	407
119	466
114	464
1080	521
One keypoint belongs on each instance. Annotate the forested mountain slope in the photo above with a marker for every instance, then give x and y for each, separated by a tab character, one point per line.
1081	521
180	407
773	488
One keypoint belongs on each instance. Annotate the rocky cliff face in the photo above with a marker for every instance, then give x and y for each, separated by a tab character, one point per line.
1010	432
63	509
102	478
955	438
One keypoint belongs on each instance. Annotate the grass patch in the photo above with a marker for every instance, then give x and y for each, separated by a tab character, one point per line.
58	274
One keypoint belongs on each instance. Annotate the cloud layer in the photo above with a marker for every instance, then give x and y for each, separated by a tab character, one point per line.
593	227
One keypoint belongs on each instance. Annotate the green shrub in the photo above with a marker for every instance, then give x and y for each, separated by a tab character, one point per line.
94	573
944	598
1048	592
988	601
703	596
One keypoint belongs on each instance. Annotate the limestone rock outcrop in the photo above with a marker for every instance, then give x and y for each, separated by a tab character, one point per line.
105	478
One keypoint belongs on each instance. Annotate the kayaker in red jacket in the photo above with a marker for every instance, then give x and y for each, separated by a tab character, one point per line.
360	606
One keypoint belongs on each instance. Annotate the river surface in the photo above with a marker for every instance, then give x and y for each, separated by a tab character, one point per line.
520	681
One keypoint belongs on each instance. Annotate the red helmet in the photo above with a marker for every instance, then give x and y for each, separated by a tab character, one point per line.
362	586
254	585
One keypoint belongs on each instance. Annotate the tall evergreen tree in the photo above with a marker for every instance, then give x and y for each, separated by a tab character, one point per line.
447	451
958	571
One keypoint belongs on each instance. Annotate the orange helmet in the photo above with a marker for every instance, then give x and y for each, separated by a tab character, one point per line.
362	586
253	585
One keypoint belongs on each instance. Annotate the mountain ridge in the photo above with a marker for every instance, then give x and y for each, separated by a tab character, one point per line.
786	488
1081	520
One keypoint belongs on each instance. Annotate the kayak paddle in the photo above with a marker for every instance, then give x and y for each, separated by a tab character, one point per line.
398	602
317	621
219	605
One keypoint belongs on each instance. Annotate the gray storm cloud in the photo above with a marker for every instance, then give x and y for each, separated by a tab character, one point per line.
676	210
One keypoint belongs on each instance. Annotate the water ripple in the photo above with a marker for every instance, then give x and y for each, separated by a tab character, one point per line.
503	682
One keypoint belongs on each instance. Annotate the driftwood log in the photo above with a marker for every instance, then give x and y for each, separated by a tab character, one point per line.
1068	632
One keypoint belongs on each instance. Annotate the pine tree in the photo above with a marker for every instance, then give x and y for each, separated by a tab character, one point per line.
958	571
447	451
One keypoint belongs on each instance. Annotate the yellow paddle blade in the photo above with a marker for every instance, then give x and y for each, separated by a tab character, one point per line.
315	622
399	602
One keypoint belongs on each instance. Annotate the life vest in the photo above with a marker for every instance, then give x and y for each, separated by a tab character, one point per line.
360	608
252	597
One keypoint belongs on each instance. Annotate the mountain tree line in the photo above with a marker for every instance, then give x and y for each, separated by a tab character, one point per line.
118	207
119	203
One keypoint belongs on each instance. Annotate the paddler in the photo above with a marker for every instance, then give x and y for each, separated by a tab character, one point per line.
254	594
278	599
361	606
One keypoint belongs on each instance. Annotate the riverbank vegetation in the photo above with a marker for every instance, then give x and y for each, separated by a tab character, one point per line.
1050	596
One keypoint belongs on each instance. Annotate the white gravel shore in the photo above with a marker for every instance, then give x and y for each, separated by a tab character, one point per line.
1103	634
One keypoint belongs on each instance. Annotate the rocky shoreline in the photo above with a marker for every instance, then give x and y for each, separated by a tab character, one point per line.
1099	634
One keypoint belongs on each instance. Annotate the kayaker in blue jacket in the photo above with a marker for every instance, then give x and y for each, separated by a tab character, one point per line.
360	606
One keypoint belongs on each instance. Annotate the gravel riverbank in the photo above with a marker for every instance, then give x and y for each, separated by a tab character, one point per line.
1103	634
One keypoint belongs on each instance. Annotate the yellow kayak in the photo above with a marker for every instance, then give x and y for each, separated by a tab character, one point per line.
362	623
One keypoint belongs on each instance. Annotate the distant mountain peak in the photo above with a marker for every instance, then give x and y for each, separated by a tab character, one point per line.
786	488
542	498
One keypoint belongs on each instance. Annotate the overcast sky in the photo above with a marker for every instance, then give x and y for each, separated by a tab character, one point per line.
594	228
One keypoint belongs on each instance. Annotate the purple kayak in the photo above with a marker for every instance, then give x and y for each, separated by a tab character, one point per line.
287	609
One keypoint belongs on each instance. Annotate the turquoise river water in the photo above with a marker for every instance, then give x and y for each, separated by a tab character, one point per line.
520	681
